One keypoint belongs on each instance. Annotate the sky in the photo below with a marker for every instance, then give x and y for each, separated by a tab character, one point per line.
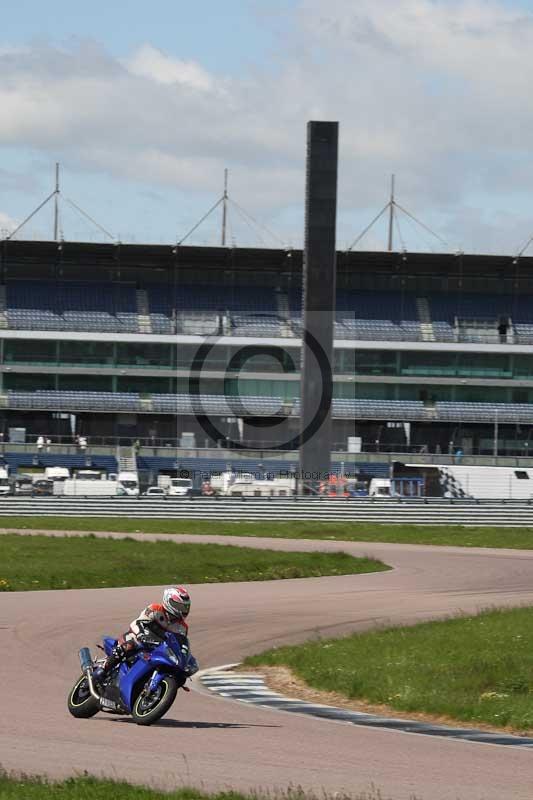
145	104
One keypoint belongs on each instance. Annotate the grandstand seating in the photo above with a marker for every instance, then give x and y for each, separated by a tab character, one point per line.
379	409
218	405
255	325
250	311
380	316
17	461
487	309
200	309
79	401
42	305
485	412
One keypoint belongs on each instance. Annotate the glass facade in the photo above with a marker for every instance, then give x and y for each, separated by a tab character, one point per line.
34	351
246	371
144	355
152	356
28	381
225	358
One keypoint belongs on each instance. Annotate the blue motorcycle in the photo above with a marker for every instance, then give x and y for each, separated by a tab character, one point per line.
143	686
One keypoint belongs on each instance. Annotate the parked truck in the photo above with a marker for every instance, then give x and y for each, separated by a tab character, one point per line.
5	487
76	487
232	484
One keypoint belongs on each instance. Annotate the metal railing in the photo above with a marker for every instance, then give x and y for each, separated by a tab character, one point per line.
401	511
370	332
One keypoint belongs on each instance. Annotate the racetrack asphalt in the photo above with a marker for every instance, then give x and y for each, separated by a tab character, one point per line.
216	743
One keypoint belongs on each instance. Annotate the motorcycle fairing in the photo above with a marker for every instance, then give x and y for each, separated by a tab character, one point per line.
129	676
109	644
140	669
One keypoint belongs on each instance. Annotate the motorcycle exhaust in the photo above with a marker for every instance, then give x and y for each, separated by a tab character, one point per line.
87	667
85	659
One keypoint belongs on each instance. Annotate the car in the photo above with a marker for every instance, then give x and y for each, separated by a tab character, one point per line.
154	491
23	485
43	488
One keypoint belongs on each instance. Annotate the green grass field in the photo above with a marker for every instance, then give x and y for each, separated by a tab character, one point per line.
87	788
473	669
92	789
521	538
80	562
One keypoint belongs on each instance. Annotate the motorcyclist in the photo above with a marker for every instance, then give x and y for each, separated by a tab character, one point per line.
150	627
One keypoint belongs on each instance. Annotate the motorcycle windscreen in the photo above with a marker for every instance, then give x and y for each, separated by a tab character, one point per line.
180	649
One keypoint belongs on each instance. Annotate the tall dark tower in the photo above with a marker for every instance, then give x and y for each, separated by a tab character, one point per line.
318	301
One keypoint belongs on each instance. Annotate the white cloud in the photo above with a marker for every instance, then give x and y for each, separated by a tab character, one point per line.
435	91
149	62
7	224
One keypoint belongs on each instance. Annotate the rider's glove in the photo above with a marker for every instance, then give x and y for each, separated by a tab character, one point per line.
117	653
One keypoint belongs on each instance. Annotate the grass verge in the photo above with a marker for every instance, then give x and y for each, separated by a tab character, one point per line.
88	788
472	669
81	562
516	538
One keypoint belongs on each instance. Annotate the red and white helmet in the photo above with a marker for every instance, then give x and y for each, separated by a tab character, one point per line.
176	601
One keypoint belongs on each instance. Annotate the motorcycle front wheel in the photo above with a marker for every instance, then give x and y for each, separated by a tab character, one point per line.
150	706
81	703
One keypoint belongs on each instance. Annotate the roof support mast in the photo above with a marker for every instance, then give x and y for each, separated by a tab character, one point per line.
391	216
56	196
393	207
224	207
56	205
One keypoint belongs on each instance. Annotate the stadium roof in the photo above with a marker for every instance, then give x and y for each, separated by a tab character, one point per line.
39	255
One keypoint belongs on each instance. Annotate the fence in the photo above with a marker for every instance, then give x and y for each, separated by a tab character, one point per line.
406	511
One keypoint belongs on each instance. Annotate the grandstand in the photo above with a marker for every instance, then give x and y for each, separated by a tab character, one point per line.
432	351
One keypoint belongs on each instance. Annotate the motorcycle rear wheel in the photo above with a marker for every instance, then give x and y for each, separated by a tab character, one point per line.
81	703
148	708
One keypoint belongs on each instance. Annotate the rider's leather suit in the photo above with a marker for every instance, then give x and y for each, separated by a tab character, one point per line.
149	627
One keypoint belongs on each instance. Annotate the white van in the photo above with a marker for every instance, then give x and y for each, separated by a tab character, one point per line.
128	484
179	487
56	473
380	487
5	487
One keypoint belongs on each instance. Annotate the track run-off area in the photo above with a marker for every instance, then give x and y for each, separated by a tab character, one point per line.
215	743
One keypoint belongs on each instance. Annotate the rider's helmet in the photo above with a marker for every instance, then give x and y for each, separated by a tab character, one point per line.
176	601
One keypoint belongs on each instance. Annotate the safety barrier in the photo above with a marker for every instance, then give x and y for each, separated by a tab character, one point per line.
417	512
